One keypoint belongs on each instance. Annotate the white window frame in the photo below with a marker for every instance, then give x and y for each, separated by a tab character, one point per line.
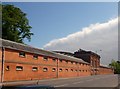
45	58
60	70
35	56
53	69
19	68
45	69
21	55
34	68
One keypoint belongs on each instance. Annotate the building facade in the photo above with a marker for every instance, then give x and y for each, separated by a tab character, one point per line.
90	57
1	64
23	62
105	70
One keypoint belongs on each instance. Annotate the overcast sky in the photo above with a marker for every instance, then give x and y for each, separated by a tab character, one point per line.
70	26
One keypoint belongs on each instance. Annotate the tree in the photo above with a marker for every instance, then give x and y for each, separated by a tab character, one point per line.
116	66
15	25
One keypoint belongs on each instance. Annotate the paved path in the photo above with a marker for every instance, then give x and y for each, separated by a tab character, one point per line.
89	82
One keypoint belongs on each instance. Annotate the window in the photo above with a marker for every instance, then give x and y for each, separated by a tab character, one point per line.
83	70
22	54
67	62
71	62
35	56
54	59
76	70
86	70
66	70
71	70
7	68
19	68
45	69
79	70
45	58
76	63
35	69
53	69
60	70
60	60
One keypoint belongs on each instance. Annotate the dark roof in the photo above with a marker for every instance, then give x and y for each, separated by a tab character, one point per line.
103	66
27	48
65	53
81	51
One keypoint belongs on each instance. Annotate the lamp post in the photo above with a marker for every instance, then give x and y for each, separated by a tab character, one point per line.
98	51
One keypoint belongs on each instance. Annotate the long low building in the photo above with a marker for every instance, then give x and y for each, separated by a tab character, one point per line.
23	62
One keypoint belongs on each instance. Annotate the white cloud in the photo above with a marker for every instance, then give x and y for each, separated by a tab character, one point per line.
99	36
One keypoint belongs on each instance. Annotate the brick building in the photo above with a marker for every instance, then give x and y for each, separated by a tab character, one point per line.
23	62
90	57
105	70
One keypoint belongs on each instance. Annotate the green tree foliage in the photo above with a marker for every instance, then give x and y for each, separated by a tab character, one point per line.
116	66
15	25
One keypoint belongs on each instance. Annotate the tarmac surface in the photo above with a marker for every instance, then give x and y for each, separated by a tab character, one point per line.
89	82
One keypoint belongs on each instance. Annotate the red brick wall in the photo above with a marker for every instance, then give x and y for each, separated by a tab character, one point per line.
67	66
105	71
95	64
27	73
74	70
13	55
12	60
63	65
84	70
